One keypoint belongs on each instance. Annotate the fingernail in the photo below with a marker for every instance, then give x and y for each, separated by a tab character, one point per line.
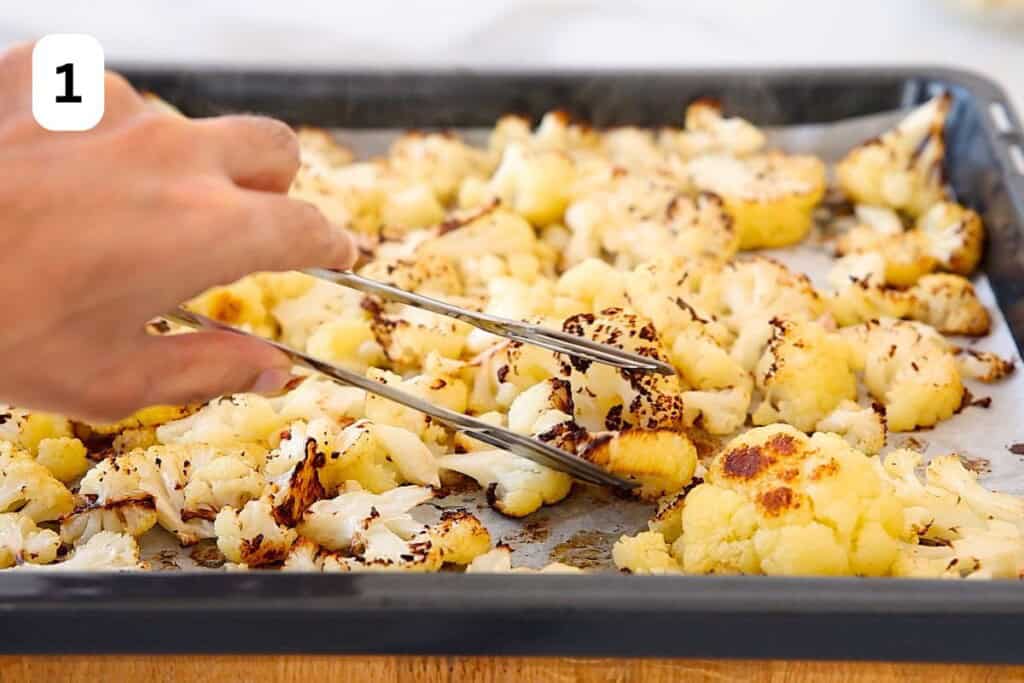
271	381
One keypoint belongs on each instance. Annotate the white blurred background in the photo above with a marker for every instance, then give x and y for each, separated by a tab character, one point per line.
543	33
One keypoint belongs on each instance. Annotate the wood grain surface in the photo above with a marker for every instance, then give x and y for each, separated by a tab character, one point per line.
303	669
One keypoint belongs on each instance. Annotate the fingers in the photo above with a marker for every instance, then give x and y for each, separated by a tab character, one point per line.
16	79
279	233
189	368
256	152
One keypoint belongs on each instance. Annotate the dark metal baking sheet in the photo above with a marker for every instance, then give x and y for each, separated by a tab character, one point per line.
612	615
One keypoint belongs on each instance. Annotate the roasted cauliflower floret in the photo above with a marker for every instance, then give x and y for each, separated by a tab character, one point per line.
950	305
545	411
29	488
954	235
708	132
946	302
22	541
644	553
232	479
320	397
750	293
106	551
983	366
611	398
251	535
639	218
905	254
110	498
902	169
27	429
378	456
863	428
771	196
65	457
460	536
661	461
797	352
533	183
240	304
947	237
778	502
378	531
441	160
909	369
225	421
335	522
163	472
515	486
964	529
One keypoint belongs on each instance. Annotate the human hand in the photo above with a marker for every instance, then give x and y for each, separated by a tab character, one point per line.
103	230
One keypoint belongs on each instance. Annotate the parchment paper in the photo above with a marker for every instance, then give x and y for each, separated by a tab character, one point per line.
581	530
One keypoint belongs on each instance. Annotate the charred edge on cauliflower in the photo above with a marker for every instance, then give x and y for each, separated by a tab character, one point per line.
304	487
457	221
747	462
142	501
257	554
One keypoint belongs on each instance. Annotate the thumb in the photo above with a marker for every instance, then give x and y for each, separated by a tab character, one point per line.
198	366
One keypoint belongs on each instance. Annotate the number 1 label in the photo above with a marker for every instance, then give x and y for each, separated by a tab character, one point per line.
67	82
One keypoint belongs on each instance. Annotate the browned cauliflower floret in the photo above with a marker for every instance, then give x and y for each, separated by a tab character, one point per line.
440	160
863	428
22	541
106	551
750	292
771	196
955	236
902	169
379	534
29	488
110	498
661	461
645	553
904	254
241	304
515	486
251	535
983	366
909	369
803	375
947	237
946	302
950	305
775	501
611	398
639	218
225	421
962	529
708	132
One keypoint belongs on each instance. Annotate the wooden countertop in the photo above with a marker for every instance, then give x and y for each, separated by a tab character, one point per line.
303	669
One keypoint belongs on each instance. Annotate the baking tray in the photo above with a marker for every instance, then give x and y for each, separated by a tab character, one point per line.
591	615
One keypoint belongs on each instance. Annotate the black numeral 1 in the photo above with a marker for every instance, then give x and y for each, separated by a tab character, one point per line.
69	83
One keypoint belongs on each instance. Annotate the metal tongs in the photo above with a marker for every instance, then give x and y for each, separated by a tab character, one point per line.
529	448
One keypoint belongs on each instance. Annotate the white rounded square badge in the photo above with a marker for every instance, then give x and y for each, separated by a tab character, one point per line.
67	82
